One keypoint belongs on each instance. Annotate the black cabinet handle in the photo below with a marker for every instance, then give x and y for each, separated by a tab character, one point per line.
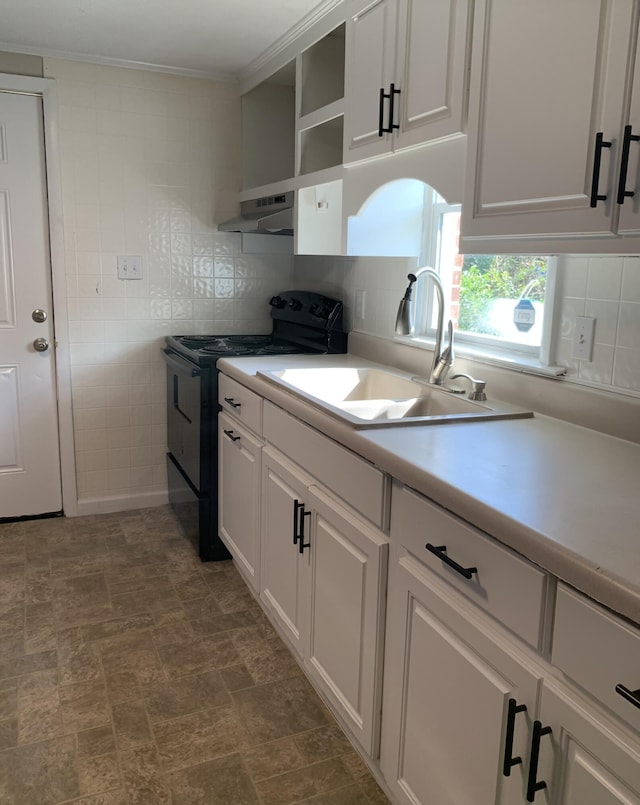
232	402
301	543
296	508
632	696
381	113
382	129
624	164
392	94
298	525
233	438
597	159
533	784
509	760
441	552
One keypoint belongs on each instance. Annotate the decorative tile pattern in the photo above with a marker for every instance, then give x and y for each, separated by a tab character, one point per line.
197	702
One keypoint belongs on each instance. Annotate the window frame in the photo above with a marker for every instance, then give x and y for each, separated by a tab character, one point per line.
477	345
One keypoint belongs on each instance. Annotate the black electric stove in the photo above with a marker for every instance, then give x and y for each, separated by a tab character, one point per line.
304	322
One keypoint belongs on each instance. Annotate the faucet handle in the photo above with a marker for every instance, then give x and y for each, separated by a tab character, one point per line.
477	386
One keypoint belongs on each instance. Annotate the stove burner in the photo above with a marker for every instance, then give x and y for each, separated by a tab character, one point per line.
196	341
279	349
226	349
252	340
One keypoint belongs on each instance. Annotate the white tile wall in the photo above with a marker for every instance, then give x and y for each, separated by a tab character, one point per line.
382	279
150	162
607	289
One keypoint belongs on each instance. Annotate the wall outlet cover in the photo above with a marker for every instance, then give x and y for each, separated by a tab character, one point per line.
129	267
583	338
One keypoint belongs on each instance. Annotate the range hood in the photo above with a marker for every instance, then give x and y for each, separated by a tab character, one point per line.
270	215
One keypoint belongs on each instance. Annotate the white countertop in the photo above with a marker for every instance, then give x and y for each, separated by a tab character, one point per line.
566	497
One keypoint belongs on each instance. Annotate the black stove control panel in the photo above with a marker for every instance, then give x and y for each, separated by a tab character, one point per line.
307	308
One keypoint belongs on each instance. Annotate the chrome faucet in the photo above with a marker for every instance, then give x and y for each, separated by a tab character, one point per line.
442	359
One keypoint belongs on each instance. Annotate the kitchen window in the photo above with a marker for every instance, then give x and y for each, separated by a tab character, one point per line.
501	305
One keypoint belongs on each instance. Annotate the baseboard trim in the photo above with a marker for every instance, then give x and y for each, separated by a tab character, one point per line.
108	505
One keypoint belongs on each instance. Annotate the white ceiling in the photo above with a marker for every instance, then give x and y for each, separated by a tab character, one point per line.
208	37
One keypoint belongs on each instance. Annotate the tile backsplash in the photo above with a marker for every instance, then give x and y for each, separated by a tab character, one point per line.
607	289
150	163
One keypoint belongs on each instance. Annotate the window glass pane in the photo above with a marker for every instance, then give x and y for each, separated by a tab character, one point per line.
495	298
503	296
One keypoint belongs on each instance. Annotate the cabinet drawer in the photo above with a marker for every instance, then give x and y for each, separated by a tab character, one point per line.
597	650
351	478
240	402
506	586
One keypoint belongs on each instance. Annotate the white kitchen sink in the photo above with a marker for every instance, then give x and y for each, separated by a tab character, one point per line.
367	397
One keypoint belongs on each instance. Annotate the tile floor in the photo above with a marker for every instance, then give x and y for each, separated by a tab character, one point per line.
131	673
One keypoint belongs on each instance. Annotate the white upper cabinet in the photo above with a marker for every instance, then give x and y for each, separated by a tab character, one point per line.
628	190
405	72
548	106
369	72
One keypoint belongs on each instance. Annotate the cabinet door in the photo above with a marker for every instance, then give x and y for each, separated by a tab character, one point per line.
284	571
594	764
348	580
433	64
369	66
239	495
446	699
536	106
629	223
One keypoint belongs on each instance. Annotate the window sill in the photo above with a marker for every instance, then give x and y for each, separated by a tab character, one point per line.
506	359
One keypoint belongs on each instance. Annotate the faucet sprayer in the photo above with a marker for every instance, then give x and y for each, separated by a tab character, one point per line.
442	359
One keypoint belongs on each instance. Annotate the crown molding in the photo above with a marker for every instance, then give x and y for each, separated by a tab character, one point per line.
307	22
126	64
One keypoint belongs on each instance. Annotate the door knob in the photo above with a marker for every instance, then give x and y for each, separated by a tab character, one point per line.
39	315
41	345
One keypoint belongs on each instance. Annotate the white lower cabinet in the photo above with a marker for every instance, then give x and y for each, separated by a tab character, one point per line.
284	570
458	701
323	579
470	709
584	759
239	495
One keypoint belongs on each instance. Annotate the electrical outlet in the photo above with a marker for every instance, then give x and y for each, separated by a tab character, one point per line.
583	338
361	297
129	267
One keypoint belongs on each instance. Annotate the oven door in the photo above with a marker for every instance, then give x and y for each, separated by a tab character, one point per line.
184	406
185	502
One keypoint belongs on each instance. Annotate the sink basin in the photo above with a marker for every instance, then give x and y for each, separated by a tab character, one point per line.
368	397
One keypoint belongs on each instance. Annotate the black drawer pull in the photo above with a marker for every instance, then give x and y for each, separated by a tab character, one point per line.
628	138
533	785
233	438
232	402
632	696
595	179
441	552
509	760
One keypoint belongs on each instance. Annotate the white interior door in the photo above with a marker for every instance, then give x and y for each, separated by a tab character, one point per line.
29	445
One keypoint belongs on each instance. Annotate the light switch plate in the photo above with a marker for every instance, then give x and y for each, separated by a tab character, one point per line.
129	267
583	338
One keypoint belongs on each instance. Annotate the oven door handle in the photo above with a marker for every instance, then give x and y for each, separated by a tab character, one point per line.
179	366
